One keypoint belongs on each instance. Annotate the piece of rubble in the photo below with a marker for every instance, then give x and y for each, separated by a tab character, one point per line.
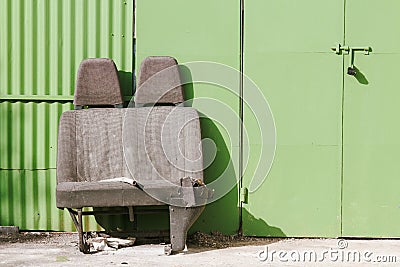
120	243
109	243
11	230
97	244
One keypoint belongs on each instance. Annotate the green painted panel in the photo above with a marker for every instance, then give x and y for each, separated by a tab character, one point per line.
371	171
27	200
189	30
373	23
370	142
28	136
292	25
201	31
44	42
43	45
287	54
299	197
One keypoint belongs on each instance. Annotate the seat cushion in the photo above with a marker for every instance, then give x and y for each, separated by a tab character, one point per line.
101	194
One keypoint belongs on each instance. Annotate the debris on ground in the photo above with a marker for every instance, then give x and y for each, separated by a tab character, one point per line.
55	239
218	240
9	230
98	244
25	237
102	243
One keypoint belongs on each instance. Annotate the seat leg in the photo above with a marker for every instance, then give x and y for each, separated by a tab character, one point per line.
78	222
180	221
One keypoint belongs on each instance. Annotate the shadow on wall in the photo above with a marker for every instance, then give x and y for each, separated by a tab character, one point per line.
223	214
258	227
360	77
126	82
188	88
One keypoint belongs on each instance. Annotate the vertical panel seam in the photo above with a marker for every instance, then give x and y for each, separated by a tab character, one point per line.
342	130
241	67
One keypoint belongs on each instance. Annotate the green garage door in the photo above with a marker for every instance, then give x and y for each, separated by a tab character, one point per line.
336	170
287	54
371	141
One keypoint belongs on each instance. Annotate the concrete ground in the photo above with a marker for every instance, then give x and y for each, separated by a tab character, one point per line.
60	249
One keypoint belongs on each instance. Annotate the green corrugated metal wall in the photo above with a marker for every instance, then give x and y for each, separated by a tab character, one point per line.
42	44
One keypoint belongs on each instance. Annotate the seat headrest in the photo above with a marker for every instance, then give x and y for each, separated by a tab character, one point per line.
97	83
159	81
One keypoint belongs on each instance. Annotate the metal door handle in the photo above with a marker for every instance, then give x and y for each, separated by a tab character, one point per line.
338	49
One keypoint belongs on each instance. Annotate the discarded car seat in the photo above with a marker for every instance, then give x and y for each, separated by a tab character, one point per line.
98	167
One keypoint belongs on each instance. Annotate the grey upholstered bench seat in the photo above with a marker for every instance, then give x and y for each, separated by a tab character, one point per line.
101	194
157	147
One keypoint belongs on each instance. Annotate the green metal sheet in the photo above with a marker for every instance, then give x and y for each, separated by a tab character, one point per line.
27	199
43	42
200	31
287	54
29	134
371	133
373	23
41	46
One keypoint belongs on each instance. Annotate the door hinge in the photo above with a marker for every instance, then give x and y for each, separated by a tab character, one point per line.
244	192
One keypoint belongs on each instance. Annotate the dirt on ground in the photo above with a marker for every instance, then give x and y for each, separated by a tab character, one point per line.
218	240
50	238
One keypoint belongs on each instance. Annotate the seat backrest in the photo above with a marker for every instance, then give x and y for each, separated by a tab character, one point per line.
146	144
163	143
155	143
97	84
159	81
90	145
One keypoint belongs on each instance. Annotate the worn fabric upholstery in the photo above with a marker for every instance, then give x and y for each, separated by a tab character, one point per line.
66	153
99	144
97	83
160	143
165	142
159	81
